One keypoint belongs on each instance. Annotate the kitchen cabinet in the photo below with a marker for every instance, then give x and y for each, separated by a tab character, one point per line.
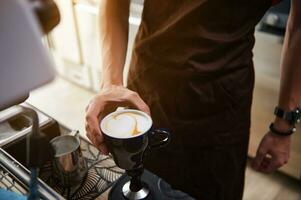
66	43
75	42
267	53
66	47
88	23
87	18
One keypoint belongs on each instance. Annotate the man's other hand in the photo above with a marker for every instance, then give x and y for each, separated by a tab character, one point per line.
272	153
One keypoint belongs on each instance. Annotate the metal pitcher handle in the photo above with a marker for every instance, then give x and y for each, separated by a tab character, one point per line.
74	133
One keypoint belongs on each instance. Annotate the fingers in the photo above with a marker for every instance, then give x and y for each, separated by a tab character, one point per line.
268	161
92	127
138	103
93	130
265	165
97	141
264	161
121	96
277	161
260	155
270	165
272	153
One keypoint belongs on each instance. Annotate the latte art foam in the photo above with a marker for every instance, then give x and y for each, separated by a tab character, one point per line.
125	124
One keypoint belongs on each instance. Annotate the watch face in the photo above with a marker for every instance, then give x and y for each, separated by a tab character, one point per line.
292	117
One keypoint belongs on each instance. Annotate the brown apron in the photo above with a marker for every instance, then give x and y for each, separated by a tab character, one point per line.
192	64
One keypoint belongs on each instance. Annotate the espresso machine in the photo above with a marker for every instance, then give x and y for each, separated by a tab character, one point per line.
25	65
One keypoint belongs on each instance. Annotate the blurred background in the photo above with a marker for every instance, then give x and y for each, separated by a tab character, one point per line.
74	47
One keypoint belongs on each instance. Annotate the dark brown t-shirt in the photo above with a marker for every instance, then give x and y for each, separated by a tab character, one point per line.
192	63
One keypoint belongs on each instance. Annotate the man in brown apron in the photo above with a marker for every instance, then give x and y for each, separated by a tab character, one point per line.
192	70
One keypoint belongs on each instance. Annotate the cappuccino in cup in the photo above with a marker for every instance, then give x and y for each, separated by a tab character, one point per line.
127	133
126	123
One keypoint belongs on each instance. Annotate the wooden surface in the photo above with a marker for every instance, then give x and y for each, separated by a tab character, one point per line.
275	186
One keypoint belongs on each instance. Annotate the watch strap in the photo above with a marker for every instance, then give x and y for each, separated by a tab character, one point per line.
281	133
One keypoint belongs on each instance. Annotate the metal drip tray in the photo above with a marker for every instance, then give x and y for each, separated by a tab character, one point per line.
101	175
15	126
14	176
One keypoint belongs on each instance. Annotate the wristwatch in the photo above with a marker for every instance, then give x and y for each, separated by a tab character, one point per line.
292	117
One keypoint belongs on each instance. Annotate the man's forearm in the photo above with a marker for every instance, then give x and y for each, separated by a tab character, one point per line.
290	85
114	27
